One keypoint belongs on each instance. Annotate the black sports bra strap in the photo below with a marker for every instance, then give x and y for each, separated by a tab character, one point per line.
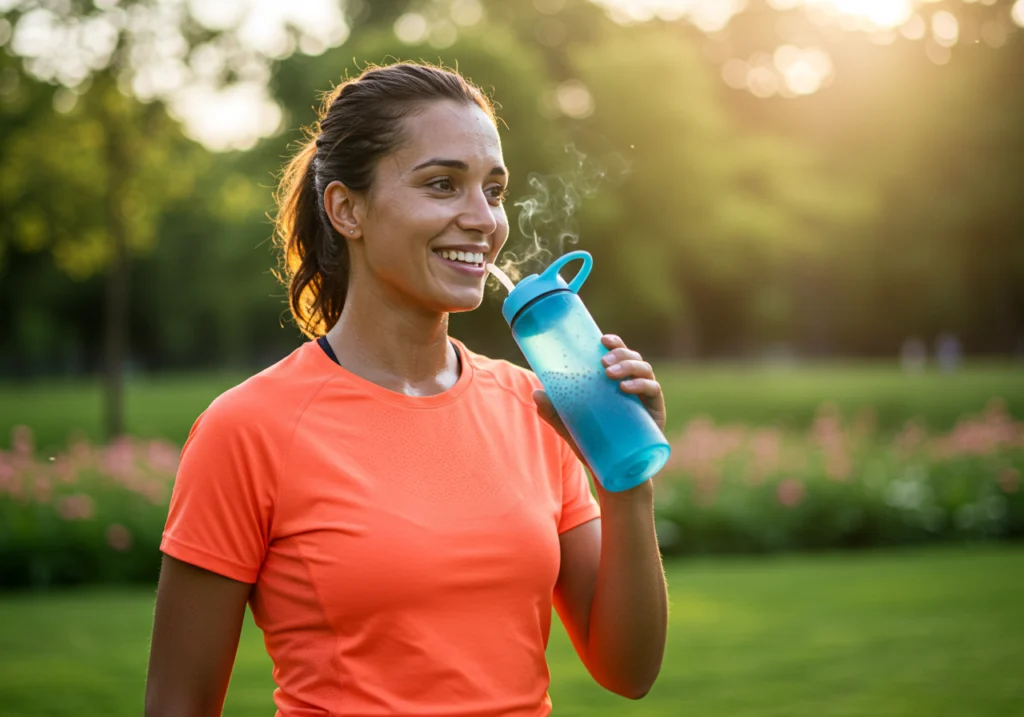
326	346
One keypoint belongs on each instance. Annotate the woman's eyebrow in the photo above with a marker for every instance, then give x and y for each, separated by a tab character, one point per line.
456	164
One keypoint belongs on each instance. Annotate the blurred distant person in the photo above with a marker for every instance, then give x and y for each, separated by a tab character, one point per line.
400	513
913	355
948	352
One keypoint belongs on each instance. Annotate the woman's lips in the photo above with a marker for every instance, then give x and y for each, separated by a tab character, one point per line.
463	267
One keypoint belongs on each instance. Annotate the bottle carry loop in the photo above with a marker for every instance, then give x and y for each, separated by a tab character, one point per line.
581	275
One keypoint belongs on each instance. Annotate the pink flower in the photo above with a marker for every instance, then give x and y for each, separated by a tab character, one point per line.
982	435
827	429
64	469
10	479
910	438
81	453
790	492
76	507
119	461
766	447
702	446
155	492
43	489
6	468
119	537
162	457
1009	480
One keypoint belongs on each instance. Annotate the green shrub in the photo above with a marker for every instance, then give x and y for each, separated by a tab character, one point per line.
95	513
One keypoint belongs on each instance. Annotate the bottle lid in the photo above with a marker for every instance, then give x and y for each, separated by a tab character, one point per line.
547	282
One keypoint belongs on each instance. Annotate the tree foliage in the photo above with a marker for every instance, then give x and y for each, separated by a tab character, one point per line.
882	206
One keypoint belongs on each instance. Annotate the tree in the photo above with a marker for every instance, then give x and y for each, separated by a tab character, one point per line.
87	183
89	180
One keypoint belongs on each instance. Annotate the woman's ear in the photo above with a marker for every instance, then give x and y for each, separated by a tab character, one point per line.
344	210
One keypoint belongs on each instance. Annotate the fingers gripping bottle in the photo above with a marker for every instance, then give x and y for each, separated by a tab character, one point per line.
616	435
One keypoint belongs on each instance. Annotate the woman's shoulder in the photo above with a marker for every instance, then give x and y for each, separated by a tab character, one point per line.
268	402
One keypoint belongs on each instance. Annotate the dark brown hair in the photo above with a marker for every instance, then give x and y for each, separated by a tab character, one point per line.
360	122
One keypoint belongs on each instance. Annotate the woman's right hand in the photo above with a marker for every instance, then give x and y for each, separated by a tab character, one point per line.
195	637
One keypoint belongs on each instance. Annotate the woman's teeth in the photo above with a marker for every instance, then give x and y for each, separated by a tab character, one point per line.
466	257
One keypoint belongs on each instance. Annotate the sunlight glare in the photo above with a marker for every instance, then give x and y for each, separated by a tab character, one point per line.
882	13
1017	13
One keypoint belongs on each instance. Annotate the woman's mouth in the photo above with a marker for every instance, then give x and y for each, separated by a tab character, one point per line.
470	263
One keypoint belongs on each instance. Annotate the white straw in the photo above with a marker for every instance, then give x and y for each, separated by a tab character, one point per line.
502	277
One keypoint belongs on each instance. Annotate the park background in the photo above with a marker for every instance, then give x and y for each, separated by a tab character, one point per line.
806	213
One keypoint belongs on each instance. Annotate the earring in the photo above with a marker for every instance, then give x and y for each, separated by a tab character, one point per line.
351	231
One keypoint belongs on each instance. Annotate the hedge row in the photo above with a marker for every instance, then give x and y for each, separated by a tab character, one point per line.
95	513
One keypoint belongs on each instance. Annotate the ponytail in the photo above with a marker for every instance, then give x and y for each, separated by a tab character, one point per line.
315	258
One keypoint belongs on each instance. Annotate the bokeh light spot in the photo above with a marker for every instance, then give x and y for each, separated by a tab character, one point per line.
762	82
945	28
914	28
574	99
411	28
734	73
467	12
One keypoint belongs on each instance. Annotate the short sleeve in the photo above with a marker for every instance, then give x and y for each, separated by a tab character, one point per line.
223	497
578	503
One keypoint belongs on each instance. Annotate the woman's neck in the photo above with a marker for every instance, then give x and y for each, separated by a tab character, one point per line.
398	348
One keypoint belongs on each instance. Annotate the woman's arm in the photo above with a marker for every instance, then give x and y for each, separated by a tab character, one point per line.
611	592
195	636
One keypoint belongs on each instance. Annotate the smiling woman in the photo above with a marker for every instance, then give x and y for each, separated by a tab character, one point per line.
435	187
401	513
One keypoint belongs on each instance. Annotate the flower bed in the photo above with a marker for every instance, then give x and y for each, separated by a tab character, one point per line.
95	513
90	514
733	488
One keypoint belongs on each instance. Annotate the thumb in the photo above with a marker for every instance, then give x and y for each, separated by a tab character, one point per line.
544	404
546	409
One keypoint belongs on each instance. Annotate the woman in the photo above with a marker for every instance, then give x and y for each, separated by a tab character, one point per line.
388	502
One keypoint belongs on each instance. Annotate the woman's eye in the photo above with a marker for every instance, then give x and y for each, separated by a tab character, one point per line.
443	184
497	192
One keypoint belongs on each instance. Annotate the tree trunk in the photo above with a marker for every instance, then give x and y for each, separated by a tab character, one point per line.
116	309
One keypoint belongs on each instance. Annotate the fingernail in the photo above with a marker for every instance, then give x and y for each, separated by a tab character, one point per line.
608	359
617	368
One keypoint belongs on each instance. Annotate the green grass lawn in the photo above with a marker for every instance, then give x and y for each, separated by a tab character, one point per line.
933	632
167	406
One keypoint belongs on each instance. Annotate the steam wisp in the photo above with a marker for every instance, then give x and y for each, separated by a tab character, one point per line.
547	214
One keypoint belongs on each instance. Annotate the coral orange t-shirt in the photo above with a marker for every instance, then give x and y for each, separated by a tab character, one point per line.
403	550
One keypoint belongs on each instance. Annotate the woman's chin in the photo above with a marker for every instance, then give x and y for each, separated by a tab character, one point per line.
462	301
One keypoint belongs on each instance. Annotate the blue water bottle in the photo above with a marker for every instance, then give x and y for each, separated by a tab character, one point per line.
616	435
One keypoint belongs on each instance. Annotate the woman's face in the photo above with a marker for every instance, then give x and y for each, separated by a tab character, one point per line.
437	197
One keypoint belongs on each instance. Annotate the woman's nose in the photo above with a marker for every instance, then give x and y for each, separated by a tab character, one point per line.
477	214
